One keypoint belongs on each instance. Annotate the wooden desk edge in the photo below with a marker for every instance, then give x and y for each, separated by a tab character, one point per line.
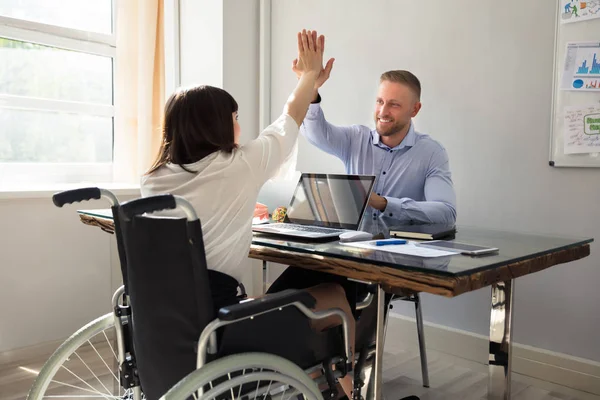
106	224
402	281
396	280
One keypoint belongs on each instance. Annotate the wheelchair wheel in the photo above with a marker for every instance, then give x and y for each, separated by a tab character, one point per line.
85	365
247	376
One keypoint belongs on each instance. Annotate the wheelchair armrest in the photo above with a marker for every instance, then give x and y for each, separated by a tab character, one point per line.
266	303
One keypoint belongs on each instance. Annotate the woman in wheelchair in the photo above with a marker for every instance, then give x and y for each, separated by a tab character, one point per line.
201	160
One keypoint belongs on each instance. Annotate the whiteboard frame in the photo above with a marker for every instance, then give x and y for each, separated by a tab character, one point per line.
557	158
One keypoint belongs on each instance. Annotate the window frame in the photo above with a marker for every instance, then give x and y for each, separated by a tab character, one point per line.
18	174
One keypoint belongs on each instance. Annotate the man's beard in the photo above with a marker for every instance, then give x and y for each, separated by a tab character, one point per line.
390	130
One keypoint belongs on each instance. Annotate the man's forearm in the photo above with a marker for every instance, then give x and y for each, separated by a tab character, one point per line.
429	212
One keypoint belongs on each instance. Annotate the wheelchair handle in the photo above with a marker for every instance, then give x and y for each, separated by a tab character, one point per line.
83	194
157	203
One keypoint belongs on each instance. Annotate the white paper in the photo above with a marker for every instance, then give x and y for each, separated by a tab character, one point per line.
582	67
582	129
259	221
579	10
410	248
101	213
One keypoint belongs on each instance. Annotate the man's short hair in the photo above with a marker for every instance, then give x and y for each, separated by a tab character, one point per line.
404	77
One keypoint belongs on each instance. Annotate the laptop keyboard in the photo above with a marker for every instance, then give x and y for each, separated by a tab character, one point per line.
304	228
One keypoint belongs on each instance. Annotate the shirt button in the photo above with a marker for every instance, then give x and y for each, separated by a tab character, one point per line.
374	219
384	172
374	214
391	215
378	194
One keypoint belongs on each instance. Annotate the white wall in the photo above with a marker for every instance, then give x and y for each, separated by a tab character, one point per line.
229	61
229	58
486	71
55	272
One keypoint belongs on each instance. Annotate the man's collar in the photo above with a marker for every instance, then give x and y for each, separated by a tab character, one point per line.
408	141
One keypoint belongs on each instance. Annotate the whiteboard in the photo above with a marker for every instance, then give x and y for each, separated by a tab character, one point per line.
584	31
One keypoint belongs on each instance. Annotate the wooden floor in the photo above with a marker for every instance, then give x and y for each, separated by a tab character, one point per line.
450	378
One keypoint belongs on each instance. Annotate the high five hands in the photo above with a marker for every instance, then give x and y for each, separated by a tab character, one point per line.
324	72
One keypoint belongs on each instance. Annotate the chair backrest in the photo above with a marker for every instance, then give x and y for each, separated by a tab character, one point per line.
120	247
169	293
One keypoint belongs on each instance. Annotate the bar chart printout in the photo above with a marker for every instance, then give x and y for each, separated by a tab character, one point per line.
582	67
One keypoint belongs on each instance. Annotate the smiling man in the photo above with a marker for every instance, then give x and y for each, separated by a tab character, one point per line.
414	183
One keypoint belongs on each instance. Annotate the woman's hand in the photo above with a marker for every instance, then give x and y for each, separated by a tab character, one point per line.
310	52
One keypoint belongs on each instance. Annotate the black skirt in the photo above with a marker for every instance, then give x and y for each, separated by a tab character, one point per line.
224	290
300	278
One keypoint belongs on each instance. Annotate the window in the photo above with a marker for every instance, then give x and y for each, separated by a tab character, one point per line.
56	91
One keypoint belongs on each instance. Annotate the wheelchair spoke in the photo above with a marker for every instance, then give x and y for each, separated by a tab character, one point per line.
107	367
257	386
97	393
80	396
84	382
268	390
231	390
240	391
110	345
89	369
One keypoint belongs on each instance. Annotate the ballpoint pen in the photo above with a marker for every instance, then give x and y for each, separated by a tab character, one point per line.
389	242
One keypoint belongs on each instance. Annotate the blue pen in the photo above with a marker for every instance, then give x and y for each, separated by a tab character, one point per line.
389	242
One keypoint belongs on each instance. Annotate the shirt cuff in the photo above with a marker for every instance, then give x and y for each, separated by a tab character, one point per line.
394	207
313	110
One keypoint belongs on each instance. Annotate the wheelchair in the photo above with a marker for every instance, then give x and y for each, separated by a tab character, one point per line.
162	339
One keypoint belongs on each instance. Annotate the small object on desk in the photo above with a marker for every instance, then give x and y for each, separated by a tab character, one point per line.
279	214
408	248
355	236
425	231
261	214
389	242
463	248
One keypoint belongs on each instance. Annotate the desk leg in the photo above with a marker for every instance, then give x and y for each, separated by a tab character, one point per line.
500	340
379	344
265	275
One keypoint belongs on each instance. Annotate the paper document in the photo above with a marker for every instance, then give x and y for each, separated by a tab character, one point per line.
582	129
579	10
581	71
410	248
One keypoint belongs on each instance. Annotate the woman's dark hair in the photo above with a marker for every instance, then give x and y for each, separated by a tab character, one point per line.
197	122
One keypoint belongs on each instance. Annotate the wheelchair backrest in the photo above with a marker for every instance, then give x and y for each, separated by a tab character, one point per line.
169	295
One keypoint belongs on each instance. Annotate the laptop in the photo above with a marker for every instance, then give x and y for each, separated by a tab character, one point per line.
323	206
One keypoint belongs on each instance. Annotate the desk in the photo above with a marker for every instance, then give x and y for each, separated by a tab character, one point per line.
520	254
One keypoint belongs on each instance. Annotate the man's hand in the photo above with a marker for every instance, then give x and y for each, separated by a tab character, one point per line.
310	52
324	72
377	202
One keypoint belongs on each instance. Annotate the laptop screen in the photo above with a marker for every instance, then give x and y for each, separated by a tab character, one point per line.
336	201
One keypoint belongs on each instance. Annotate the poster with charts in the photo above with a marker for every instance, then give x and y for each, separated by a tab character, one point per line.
582	129
579	10
582	67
